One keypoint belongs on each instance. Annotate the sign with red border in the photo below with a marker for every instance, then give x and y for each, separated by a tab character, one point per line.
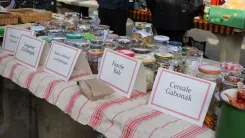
11	38
119	71
61	60
181	96
29	51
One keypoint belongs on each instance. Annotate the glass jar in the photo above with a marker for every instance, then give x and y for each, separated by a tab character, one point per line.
109	45
174	47
163	60
231	68
96	44
73	38
124	43
192	59
39	30
88	37
105	29
111	38
177	63
162	42
136	42
56	33
148	61
83	46
211	73
94	56
70	22
126	52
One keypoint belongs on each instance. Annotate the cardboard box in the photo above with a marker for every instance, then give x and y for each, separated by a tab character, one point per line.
227	17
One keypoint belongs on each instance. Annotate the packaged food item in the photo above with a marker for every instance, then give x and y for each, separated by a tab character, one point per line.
192	59
162	42
72	38
94	56
39	30
148	61
111	38
126	52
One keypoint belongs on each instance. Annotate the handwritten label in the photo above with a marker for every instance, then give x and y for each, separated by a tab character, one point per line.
124	69
61	60
11	38
181	96
29	51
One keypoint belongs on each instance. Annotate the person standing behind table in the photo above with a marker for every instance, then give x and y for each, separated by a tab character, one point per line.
114	13
173	18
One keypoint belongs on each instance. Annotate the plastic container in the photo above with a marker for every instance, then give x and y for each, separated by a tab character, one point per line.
162	42
55	33
177	63
192	59
73	38
94	56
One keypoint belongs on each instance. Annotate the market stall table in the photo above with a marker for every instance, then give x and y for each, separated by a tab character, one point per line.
115	116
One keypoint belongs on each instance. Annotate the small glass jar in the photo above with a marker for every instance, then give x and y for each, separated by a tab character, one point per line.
177	63
111	38
73	38
84	24
163	60
126	52
174	47
124	43
70	22
96	44
162	42
56	33
231	68
211	73
109	45
148	61
192	59
39	30
94	56
83	46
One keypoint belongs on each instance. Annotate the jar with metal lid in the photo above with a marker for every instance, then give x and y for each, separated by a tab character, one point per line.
94	56
70	22
174	47
192	59
96	44
148	61
162	42
124	44
73	38
126	52
163	60
39	30
83	46
212	73
111	38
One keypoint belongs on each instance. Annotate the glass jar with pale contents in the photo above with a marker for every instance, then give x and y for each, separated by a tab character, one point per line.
148	61
94	58
163	60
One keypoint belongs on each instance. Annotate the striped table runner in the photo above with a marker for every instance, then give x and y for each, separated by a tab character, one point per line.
114	116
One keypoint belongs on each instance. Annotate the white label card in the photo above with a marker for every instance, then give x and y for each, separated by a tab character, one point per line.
11	38
181	96
120	72
29	51
61	60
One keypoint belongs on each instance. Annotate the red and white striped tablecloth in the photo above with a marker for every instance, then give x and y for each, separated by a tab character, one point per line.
114	116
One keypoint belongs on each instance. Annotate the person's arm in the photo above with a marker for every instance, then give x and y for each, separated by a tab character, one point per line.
151	5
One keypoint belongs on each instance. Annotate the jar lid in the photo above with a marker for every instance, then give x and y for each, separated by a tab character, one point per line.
38	28
174	43
126	52
112	36
231	66
161	38
210	69
146	59
88	36
141	50
164	55
95	52
74	36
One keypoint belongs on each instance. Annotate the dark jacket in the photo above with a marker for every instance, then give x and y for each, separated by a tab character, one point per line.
174	14
114	4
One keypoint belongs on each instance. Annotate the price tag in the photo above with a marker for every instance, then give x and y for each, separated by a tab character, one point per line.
181	96
124	74
29	51
11	38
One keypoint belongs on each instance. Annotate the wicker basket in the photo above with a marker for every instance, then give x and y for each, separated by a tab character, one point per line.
27	15
10	18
